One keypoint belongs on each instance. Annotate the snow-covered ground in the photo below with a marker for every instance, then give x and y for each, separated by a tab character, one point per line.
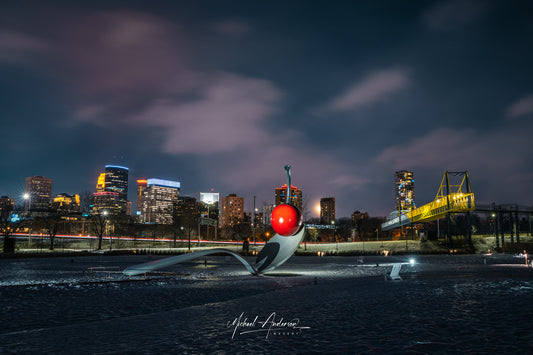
449	303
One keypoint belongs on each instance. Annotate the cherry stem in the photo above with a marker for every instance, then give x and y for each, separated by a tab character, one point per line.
288	169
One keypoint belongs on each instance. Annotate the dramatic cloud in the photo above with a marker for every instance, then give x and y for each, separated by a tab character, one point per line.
229	114
453	149
376	87
126	53
522	107
450	146
450	15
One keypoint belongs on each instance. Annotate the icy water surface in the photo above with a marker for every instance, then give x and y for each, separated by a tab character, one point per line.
444	304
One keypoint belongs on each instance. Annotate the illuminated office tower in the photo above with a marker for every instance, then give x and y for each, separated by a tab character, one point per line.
209	202
404	189
106	202
296	196
66	203
37	193
141	186
231	210
111	193
116	180
100	184
157	201
327	210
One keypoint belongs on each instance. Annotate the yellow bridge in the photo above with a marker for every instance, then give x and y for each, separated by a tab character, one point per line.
449	199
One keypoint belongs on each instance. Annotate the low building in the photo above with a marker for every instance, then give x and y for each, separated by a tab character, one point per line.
66	203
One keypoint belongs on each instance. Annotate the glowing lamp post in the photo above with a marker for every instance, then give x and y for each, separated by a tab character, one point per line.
27	197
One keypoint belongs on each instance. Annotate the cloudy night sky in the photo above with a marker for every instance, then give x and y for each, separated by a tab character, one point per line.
220	94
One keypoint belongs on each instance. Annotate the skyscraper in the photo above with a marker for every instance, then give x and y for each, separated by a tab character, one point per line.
100	184
112	190
157	200
116	180
404	189
37	193
327	210
231	210
296	196
107	201
141	186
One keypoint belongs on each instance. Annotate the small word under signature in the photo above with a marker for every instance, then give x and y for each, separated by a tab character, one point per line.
270	325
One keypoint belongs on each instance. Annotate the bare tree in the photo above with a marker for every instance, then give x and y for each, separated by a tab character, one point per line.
52	223
98	224
9	225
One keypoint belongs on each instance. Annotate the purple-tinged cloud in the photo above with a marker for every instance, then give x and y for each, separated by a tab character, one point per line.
521	107
449	149
126	53
448	145
18	47
450	15
229	113
376	87
495	159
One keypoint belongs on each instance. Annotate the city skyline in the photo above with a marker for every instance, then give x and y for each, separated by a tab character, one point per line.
222	96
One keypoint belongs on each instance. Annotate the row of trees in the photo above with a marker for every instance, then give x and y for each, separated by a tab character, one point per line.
99	224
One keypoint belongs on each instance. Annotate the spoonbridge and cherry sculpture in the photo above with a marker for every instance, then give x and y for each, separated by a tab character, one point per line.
286	221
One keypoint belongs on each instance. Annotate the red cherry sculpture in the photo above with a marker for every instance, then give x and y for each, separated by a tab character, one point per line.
286	220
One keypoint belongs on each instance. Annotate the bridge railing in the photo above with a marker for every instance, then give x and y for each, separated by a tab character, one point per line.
452	203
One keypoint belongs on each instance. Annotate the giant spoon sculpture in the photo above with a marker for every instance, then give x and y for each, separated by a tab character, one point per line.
287	223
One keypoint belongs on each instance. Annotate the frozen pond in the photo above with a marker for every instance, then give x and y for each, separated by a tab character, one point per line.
443	304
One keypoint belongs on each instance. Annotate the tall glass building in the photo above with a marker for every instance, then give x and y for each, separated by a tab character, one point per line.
116	181
38	192
327	210
404	190
157	199
112	190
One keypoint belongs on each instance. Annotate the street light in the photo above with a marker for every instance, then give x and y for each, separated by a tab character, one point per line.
27	197
334	239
